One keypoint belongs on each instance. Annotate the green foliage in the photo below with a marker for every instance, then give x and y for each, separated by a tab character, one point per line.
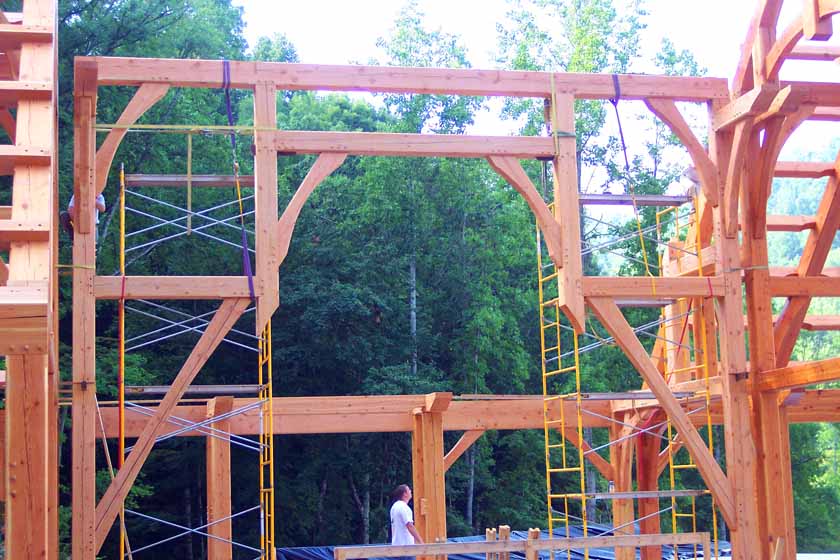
371	231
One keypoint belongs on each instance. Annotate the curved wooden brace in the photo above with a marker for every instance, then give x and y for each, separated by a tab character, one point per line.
668	113
777	131
4	272
790	37
511	170
145	97
324	165
766	16
734	176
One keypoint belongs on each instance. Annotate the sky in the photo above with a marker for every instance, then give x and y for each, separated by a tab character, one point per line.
343	31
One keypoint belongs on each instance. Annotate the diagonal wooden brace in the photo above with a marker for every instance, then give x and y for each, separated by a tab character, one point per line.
610	316
109	505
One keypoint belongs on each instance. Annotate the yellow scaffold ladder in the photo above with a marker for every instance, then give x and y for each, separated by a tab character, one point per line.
562	461
687	237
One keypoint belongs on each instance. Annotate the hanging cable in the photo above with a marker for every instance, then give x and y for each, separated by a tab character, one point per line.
630	189
246	259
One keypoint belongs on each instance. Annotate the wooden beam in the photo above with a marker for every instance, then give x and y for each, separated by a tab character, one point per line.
808	286
320	170
466	441
804	169
827	53
526	546
180	181
657	289
814	28
428	475
668	113
827	114
438	401
565	196
413	145
391	413
218	483
816	93
21	230
611	318
267	275
109	506
748	105
385	79
813	259
799	375
511	170
172	287
27	429
144	98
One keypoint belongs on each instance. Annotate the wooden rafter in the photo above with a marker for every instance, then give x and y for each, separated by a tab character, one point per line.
811	263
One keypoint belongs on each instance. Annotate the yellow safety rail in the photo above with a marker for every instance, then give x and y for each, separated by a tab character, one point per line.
266	446
560	459
698	365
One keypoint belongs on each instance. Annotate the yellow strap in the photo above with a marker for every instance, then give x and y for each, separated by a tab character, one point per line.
189	182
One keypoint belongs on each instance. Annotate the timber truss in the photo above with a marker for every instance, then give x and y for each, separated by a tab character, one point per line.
753	400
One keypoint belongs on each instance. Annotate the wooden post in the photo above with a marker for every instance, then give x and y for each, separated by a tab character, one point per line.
218	482
738	433
504	535
647	478
621	458
266	273
428	475
491	536
530	552
84	319
767	412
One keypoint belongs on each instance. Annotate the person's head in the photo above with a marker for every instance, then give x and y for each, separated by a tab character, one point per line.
401	492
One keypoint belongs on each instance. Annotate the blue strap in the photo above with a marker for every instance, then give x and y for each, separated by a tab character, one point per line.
246	258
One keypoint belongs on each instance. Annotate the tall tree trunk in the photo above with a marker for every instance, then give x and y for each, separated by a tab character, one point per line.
366	509
363	507
468	514
412	305
591	481
319	512
188	512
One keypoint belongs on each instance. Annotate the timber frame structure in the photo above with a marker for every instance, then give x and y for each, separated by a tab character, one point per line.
755	400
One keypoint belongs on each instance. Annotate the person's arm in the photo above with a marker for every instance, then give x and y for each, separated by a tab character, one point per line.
414	533
100	203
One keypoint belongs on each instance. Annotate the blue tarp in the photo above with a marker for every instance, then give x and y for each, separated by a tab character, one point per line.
683	551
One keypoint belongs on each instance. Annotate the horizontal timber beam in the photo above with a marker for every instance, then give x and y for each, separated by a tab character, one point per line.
144	180
804	169
171	287
390	413
655	289
813	286
814	52
431	145
384	79
800	375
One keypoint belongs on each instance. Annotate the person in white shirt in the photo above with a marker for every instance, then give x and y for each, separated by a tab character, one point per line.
67	218
402	518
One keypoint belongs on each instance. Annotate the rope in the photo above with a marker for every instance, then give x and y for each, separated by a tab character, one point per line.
631	190
246	259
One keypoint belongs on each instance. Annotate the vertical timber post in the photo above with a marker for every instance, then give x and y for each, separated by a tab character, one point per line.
218	483
741	455
84	319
